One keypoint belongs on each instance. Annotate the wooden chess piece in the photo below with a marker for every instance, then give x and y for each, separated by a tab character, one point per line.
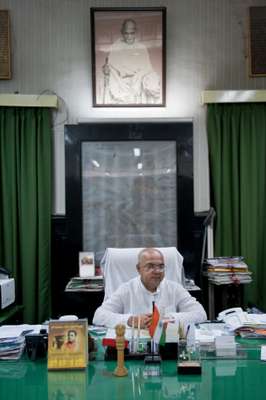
120	346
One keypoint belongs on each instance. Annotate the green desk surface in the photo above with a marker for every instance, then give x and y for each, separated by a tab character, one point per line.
220	379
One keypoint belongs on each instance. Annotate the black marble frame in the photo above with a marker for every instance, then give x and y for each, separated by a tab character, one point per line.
180	132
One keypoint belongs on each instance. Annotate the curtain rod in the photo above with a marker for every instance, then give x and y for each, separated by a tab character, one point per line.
233	96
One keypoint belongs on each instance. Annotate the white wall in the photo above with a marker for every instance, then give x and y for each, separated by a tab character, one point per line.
206	49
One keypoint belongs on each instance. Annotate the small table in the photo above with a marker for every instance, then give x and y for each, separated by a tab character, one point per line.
231	295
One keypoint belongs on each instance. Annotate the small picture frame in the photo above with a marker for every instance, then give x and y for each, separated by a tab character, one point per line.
86	264
128	57
68	345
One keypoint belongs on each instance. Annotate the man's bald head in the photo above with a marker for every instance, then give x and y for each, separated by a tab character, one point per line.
149	251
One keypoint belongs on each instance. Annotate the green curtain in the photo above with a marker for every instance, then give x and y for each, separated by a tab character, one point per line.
25	206
237	151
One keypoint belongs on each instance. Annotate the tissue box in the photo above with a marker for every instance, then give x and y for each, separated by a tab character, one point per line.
7	292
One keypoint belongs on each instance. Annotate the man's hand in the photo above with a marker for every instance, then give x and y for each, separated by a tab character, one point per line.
145	321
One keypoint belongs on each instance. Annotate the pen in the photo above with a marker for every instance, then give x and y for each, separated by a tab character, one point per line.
187	330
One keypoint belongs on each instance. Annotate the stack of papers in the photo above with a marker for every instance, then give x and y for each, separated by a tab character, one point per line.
254	327
247	325
227	270
97	330
110	337
144	336
206	333
12	340
91	284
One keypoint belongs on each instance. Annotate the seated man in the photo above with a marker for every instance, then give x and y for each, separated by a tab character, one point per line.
135	297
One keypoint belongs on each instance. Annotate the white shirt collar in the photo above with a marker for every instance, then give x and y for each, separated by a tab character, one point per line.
154	294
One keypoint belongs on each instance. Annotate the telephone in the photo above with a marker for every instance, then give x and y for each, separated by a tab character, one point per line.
234	317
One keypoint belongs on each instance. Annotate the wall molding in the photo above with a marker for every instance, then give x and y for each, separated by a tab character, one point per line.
233	96
28	100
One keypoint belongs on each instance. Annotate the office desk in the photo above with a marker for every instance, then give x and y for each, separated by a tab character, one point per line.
220	379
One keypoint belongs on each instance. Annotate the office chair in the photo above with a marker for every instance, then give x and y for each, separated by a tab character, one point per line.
119	266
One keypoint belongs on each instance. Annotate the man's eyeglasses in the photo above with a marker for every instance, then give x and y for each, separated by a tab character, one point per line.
154	267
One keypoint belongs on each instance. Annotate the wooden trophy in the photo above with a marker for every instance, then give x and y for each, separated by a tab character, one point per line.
120	346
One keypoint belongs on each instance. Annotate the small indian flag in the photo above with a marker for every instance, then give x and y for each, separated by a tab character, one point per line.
157	329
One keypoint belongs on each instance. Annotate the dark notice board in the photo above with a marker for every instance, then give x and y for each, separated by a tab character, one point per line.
5	70
257	41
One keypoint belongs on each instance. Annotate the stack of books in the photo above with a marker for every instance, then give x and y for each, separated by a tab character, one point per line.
12	340
227	270
89	284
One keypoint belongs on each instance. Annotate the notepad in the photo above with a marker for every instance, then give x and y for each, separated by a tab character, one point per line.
263	353
225	346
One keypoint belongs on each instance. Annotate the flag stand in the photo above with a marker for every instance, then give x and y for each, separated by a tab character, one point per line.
154	357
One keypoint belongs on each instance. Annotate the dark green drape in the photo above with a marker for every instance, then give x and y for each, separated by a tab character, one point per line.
25	206
237	150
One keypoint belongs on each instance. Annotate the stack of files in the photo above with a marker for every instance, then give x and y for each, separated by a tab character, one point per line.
91	284
12	340
251	333
254	327
245	324
227	270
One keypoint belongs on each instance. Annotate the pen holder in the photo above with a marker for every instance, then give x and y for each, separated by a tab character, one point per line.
182	350
188	362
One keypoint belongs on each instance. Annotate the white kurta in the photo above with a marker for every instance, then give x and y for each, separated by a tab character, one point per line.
132	298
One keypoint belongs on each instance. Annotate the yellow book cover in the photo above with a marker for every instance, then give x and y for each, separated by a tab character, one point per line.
68	344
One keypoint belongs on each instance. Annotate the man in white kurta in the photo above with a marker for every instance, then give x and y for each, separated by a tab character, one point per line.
135	297
128	74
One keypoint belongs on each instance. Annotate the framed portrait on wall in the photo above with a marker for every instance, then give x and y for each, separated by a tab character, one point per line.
128	57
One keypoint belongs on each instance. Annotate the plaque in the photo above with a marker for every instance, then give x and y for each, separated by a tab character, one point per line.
5	70
257	41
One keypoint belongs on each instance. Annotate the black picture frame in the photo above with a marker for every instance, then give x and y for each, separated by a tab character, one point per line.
257	40
128	52
180	132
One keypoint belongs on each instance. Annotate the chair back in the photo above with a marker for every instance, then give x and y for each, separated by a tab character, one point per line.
119	266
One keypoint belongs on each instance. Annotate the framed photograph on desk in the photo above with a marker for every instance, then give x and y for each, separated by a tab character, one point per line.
68	345
128	57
